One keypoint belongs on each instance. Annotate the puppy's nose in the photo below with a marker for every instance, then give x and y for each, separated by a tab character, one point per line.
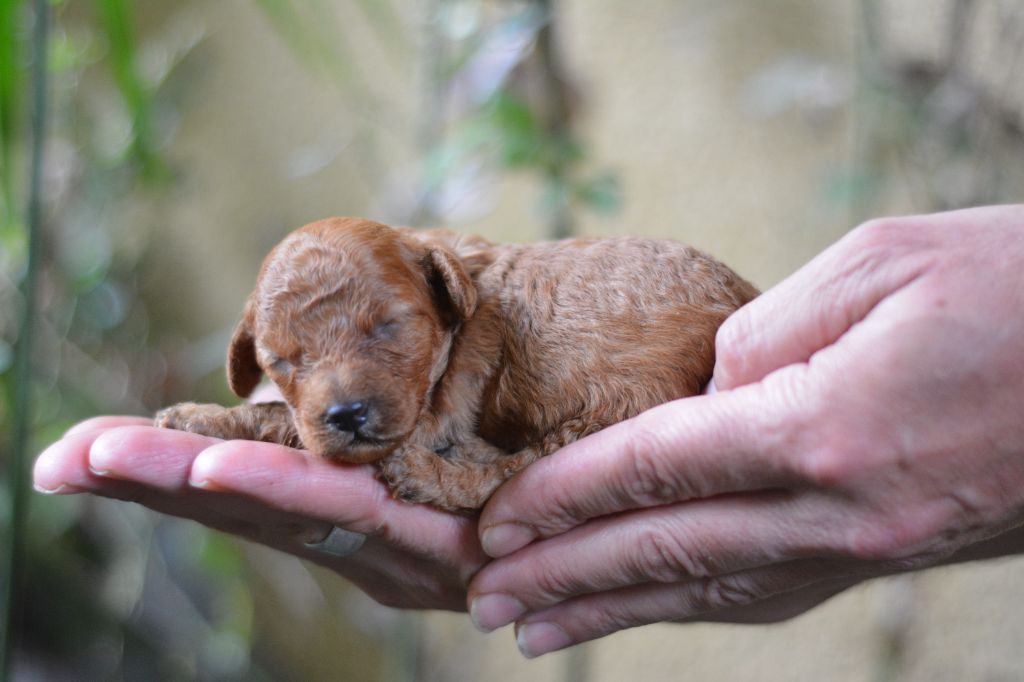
346	416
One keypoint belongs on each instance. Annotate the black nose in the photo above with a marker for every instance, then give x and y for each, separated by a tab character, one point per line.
346	416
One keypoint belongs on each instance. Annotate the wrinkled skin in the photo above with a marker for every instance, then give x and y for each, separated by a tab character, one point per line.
868	423
415	556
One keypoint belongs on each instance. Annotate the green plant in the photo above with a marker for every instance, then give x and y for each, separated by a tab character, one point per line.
515	115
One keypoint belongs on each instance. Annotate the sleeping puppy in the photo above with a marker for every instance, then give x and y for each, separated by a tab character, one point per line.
454	362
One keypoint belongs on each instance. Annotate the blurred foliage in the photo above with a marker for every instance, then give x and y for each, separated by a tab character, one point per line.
116	23
947	131
113	590
502	101
308	28
92	346
10	77
110	591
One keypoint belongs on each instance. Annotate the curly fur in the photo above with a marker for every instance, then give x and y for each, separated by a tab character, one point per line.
473	359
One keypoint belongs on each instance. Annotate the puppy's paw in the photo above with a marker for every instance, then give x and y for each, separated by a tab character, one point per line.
205	419
412	474
416	474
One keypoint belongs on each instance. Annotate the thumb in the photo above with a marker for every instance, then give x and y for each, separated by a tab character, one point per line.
812	308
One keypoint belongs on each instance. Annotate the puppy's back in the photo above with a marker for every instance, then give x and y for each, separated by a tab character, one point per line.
600	330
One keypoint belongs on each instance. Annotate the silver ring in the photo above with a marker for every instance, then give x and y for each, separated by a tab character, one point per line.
339	542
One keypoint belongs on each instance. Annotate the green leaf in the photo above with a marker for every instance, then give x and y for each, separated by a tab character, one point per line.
69	53
10	83
517	131
309	29
602	194
117	25
219	556
385	22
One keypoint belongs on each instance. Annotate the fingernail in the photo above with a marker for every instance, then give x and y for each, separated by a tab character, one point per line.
62	489
103	453
206	484
491	611
506	538
535	639
199	476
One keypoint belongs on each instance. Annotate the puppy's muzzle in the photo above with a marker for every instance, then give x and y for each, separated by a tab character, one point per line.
347	417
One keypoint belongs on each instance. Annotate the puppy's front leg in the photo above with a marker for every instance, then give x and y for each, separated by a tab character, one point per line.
271	422
461	479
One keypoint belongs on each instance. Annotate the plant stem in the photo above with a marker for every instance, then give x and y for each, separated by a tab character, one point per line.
561	224
8	104
23	362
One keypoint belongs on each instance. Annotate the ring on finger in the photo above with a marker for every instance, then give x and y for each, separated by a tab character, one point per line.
338	543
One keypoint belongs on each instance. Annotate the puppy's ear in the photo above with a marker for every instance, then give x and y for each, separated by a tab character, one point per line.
453	291
243	371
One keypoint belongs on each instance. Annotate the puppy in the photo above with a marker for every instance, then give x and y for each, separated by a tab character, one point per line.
454	362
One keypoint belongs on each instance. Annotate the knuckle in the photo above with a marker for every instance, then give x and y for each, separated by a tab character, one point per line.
613	617
879	233
723	592
879	542
732	347
557	581
558	512
664	557
834	457
888	540
842	451
878	244
652	479
565	512
825	467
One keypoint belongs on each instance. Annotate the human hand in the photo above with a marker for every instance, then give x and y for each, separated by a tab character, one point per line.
869	421
414	557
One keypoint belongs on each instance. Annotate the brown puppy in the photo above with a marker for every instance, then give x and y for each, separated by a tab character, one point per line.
456	362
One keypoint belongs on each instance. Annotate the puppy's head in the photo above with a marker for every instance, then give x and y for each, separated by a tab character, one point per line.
353	321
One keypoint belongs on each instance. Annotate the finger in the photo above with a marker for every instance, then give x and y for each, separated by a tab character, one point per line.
778	607
815	306
422	557
107	422
349	496
151	466
242	492
707	599
92	457
666	544
692	448
157	458
63	467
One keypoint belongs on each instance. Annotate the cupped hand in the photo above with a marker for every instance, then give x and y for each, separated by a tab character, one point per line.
414	557
869	420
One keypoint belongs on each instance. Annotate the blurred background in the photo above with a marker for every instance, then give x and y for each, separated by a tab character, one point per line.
183	139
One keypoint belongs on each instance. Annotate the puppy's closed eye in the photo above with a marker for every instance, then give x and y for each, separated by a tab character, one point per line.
281	366
387	329
276	364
